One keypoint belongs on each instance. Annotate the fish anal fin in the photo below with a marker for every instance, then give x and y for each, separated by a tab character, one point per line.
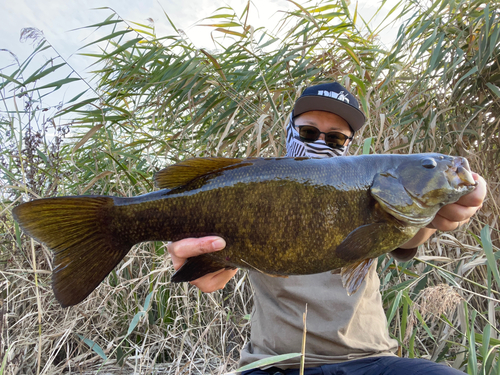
354	274
197	267
185	171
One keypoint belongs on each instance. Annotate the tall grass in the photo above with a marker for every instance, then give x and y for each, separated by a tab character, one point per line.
156	100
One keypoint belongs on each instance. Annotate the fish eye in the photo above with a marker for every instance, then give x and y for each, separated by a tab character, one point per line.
429	163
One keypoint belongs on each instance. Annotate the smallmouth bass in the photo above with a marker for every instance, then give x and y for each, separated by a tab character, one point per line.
280	216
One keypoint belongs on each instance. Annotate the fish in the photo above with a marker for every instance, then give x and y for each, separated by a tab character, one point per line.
279	216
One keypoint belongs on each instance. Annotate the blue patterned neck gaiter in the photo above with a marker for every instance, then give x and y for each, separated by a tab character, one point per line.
295	147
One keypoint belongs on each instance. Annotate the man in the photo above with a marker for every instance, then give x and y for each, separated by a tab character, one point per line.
346	334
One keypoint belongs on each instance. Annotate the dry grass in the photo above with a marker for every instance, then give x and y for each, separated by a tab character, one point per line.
431	303
189	333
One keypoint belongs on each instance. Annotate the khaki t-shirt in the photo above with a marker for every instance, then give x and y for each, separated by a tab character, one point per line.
339	327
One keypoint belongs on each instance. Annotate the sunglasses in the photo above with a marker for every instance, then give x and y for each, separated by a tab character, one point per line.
309	133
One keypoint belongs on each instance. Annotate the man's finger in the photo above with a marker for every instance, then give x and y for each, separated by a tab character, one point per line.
446	225
456	212
476	197
191	247
214	281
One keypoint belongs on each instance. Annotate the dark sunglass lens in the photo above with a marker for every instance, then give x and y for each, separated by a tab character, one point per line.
309	133
335	139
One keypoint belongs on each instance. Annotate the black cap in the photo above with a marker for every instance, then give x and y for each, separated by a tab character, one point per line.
334	98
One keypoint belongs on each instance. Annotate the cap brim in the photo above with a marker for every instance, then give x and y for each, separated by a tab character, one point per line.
354	117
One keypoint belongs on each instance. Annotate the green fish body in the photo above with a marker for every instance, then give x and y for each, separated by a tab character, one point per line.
280	216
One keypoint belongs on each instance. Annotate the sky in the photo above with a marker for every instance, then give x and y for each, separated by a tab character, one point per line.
63	22
57	19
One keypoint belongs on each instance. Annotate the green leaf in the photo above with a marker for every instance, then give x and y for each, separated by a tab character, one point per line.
494	88
100	24
170	21
485	340
147	301
95	347
366	145
11	175
18	235
124	47
407	302
394	307
488	361
11	80
225	24
268	361
468	74
226	31
424	325
57	85
427	43
43	157
436	53
122	167
76	97
219	16
135	321
107	37
488	251
472	367
5	358
43	73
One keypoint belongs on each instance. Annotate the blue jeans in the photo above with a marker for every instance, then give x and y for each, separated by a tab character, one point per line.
369	366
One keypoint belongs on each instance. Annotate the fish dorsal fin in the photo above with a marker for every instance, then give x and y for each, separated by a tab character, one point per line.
181	173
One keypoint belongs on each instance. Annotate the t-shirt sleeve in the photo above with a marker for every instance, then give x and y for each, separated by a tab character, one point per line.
403	255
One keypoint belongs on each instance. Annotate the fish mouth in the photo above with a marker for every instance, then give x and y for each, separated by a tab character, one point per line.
459	174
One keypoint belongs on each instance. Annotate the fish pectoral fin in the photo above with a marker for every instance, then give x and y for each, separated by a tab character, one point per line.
354	274
181	173
362	240
197	267
358	248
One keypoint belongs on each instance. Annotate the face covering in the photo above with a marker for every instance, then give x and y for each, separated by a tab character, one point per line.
295	147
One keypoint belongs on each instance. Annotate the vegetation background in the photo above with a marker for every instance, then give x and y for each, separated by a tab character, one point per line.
154	100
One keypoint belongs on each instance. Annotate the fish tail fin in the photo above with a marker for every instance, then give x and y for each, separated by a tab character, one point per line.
354	274
197	267
77	230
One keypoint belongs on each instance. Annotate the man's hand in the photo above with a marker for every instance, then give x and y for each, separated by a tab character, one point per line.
191	247
451	216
